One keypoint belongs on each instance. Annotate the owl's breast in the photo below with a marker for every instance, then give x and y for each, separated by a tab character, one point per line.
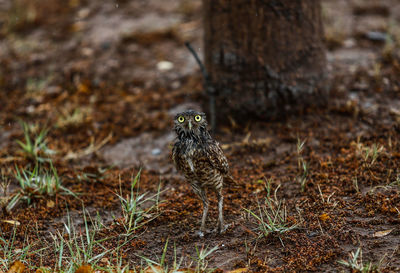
191	161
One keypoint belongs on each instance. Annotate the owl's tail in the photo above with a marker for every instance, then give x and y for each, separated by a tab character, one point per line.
228	179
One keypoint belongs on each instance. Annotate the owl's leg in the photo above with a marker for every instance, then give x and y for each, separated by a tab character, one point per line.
220	226
204	217
203	196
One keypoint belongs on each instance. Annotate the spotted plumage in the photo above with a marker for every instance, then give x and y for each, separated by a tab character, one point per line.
201	160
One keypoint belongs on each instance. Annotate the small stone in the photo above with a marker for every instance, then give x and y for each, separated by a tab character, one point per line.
349	43
165	66
87	51
83	13
53	90
156	151
175	84
30	109
376	36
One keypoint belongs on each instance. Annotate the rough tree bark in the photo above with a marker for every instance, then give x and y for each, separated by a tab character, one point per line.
264	57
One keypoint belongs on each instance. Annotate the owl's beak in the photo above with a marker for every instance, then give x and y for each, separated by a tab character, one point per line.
190	125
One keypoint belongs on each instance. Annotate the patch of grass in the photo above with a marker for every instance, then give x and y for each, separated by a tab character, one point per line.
355	184
201	258
272	217
73	117
34	148
250	252
76	248
304	176
38	182
299	149
372	153
328	199
133	215
355	262
161	265
302	165
4	182
369	154
10	253
119	267
84	247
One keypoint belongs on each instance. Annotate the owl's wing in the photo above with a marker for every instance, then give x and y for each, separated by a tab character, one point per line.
217	158
175	156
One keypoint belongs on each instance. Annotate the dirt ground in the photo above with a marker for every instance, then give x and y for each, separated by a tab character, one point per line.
106	78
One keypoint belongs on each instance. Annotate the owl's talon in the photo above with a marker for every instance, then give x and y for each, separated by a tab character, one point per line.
224	228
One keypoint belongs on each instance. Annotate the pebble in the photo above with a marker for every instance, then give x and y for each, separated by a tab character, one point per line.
376	36
165	66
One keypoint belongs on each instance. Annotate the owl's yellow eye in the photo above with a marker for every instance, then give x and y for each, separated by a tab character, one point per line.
181	119
197	118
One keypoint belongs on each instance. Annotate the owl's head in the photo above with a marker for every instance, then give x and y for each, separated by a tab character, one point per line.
191	124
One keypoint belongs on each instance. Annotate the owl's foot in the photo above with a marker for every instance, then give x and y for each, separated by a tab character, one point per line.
224	228
221	229
202	233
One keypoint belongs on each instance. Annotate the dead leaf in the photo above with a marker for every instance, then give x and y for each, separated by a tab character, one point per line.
85	269
50	204
246	138
17	267
11	222
83	87
323	217
10	159
43	270
394	111
184	270
153	269
382	233
239	270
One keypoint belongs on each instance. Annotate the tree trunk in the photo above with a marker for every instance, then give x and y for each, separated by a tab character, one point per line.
264	57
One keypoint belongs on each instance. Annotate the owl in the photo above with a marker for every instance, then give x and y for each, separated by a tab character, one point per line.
200	158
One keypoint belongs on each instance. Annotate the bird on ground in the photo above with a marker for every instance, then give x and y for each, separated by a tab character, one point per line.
200	158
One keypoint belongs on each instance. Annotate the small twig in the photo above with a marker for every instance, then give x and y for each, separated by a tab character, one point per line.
208	86
92	148
201	65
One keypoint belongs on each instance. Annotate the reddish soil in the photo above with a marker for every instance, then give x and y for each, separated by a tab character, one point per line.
105	62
